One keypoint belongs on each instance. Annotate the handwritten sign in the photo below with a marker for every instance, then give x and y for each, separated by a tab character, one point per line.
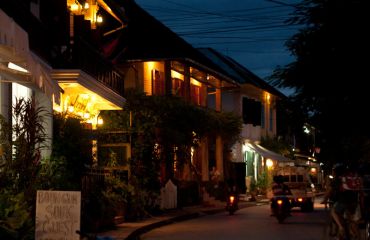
57	215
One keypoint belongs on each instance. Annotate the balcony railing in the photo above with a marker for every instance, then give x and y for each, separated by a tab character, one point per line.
86	58
54	47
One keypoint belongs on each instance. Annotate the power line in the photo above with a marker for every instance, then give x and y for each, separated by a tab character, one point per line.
205	22
169	15
251	30
276	26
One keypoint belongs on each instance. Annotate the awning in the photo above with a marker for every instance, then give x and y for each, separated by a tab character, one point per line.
75	83
267	153
16	51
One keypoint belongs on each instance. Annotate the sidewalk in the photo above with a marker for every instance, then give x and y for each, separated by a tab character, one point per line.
133	230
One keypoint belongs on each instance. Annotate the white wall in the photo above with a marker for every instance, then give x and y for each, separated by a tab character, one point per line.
4	99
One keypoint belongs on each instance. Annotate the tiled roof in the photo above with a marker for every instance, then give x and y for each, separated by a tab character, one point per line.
146	38
237	71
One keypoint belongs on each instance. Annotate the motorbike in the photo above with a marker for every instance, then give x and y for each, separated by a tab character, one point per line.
232	203
280	206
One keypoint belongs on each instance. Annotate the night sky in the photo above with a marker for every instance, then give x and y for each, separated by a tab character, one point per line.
252	32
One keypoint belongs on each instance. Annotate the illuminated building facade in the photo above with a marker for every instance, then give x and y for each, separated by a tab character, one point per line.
47	54
255	101
78	57
156	61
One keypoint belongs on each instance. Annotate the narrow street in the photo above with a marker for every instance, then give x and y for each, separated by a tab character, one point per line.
248	223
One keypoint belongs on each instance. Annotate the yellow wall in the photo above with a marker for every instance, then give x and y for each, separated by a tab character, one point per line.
148	69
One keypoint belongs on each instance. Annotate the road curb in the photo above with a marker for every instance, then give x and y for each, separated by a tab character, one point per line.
135	235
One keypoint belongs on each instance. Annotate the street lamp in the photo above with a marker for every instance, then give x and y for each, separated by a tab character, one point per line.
306	129
310	130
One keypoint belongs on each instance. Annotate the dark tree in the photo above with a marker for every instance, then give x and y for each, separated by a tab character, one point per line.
329	74
172	123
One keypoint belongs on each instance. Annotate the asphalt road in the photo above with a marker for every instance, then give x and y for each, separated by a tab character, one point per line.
249	223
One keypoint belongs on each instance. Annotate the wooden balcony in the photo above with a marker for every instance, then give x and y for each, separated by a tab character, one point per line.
86	58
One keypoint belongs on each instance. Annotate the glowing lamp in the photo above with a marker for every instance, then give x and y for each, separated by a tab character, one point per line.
99	19
100	121
269	163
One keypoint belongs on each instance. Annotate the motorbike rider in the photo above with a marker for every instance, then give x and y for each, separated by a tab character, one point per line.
345	200
333	186
279	188
232	190
232	196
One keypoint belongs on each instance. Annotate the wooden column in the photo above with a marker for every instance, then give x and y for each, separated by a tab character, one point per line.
219	157
204	93
187	82
167	78
219	142
186	174
218	100
204	157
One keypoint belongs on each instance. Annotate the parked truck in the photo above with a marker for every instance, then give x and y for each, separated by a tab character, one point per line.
301	176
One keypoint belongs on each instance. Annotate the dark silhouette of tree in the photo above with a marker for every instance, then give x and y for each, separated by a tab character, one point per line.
329	75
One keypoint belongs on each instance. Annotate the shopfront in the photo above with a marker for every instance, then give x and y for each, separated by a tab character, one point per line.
23	75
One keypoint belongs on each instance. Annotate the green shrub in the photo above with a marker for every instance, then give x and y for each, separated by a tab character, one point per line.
15	219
